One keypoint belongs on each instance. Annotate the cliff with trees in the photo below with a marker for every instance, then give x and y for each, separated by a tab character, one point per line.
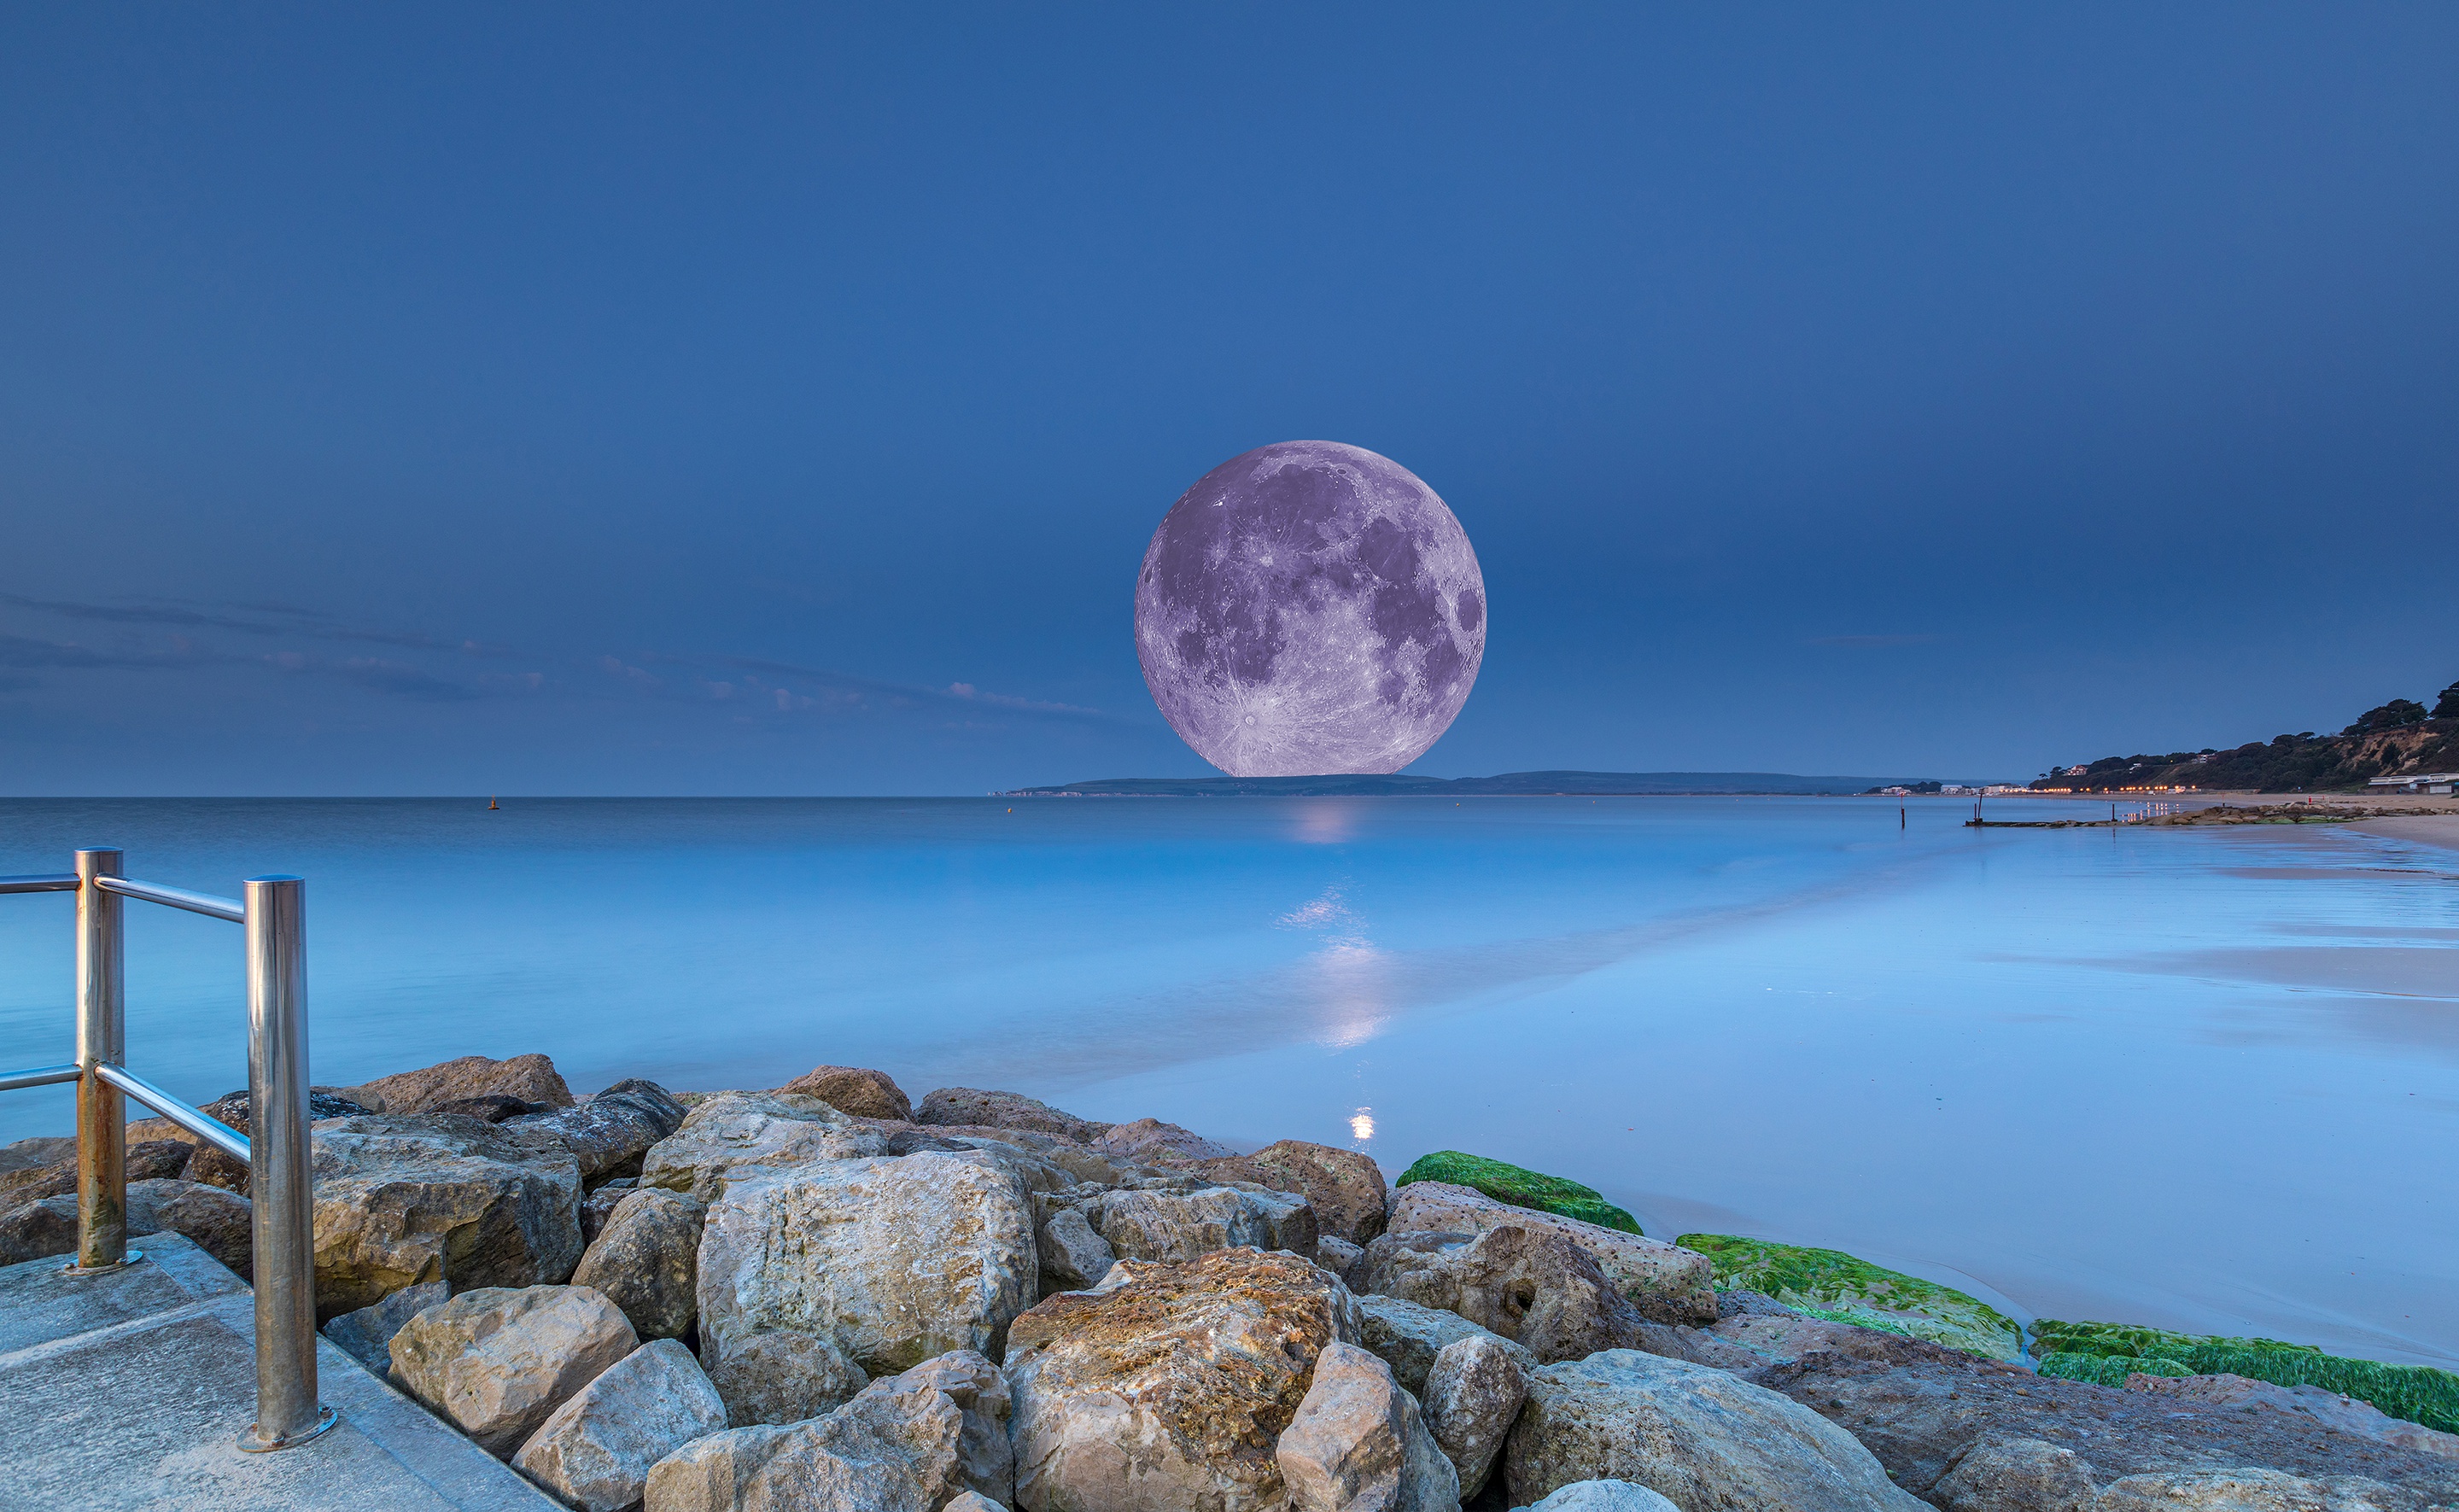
2399	738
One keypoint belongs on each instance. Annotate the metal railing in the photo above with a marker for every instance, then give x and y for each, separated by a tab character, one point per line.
280	1183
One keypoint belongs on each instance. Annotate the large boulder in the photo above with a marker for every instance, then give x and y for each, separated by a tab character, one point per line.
1170	1386
1471	1399
752	1133
1749	1340
610	1132
529	1078
600	1205
1150	1142
594	1452
855	1091
1847	1289
1921	1408
2015	1475
1604	1496
439	1198
1171	1225
1340	1257
1520	1186
1344	1187
1410	1337
367	1335
37	1152
1703	1437
970	1105
2347	1414
781	1375
1073	1256
231	1109
1666	1283
898	1447
221	1221
496	1362
894	1259
1537	1289
646	1260
490	1107
2238	1490
985	1456
146	1160
711	1473
1356	1443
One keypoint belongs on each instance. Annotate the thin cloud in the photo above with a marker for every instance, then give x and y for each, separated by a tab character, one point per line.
853	688
27	653
374	674
321	629
759	684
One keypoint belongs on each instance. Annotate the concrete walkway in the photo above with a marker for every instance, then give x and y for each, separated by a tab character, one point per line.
130	1390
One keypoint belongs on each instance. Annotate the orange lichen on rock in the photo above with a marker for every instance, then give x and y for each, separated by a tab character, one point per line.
1174	1386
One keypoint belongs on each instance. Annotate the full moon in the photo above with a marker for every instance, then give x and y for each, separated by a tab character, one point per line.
1309	608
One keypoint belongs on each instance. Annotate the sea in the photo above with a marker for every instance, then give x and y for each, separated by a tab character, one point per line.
2203	1078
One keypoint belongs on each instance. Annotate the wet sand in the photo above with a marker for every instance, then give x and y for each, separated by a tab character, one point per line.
2441	830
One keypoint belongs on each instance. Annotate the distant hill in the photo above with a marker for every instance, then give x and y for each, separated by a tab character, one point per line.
2399	738
1541	784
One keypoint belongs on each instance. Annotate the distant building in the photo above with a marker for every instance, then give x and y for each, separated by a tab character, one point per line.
2420	782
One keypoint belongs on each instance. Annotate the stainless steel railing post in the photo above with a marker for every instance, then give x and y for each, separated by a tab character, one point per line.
102	1040
280	1179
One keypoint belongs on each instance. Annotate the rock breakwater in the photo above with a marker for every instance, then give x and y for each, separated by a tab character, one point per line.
828	1296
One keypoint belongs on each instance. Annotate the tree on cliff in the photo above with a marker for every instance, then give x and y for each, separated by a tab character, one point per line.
2393	715
2448	707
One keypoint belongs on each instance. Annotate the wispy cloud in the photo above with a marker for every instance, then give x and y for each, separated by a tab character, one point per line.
845	687
29	653
393	678
749	686
316	626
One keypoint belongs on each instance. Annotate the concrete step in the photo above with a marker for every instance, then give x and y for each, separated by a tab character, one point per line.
130	1390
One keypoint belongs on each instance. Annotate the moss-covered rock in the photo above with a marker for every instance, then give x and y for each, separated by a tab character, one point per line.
2051	1337
2109	1370
2107	1353
1521	1188
1831	1284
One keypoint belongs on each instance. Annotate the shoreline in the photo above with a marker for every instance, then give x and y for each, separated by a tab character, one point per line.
2442	835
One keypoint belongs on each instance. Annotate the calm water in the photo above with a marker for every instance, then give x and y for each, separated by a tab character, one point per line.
2199	1078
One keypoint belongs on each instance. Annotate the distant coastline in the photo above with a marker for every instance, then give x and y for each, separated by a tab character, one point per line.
1508	785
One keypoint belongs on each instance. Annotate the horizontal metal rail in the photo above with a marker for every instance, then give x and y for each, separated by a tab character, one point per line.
280	1172
221	908
204	1126
58	882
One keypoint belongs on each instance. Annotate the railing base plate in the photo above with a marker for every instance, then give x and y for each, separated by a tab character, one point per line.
249	1443
134	1257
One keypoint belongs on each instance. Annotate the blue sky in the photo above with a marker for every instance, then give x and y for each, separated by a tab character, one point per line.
639	399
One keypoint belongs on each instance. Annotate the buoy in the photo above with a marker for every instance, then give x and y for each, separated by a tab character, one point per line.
492	805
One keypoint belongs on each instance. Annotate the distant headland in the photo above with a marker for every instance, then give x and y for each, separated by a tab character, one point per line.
2399	740
1509	784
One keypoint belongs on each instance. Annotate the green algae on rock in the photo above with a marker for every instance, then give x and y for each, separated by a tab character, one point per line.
1836	1286
2109	1370
1521	1188
2106	1353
